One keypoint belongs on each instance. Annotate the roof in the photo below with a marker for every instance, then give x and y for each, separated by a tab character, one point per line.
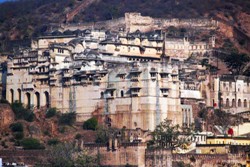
191	94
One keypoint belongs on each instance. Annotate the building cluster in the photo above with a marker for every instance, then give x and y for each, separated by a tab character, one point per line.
132	80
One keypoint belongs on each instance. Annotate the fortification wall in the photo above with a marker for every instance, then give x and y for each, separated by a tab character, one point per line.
29	157
132	154
164	157
134	21
109	24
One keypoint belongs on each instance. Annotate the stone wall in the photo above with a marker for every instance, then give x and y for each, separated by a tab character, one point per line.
132	154
6	116
163	157
29	157
158	158
207	160
134	21
109	24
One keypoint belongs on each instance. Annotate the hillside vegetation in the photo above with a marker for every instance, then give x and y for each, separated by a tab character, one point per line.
23	19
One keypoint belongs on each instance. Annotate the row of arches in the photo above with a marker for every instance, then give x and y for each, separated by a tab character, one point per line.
29	99
234	104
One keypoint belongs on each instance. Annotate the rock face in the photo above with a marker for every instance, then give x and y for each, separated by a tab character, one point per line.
6	116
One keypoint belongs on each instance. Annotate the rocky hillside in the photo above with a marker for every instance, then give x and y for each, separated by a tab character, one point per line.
23	19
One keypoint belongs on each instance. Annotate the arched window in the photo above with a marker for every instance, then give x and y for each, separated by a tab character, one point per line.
27	100
227	102
239	103
233	103
47	100
11	95
122	93
245	103
37	100
19	95
102	95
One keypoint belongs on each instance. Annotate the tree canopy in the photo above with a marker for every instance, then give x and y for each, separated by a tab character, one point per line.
238	63
167	135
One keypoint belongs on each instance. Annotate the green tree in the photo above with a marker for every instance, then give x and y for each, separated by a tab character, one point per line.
167	135
90	124
16	127
102	134
31	144
50	113
67	118
53	141
237	62
21	112
66	155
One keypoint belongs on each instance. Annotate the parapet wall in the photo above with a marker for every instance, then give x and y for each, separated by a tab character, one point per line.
109	24
133	154
134	21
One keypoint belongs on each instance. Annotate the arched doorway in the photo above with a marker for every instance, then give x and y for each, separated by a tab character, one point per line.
47	99
239	102
11	95
233	103
227	102
37	100
27	100
19	95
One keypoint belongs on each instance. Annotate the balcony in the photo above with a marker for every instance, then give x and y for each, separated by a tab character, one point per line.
135	85
135	71
111	87
164	74
52	82
134	78
42	59
135	92
135	89
67	75
164	91
27	86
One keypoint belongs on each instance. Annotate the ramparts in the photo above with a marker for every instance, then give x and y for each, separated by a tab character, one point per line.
134	21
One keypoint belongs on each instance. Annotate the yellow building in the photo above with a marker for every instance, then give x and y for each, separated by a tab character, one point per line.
212	149
228	140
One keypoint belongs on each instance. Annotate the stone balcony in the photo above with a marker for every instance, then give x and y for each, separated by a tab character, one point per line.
27	86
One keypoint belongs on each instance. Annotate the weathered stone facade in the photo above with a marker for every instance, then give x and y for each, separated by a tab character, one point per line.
230	93
134	21
120	93
6	116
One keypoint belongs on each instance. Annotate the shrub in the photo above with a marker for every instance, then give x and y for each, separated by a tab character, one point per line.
67	118
16	127
78	136
31	143
46	132
61	129
50	113
18	135
90	124
21	112
4	101
53	142
30	116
